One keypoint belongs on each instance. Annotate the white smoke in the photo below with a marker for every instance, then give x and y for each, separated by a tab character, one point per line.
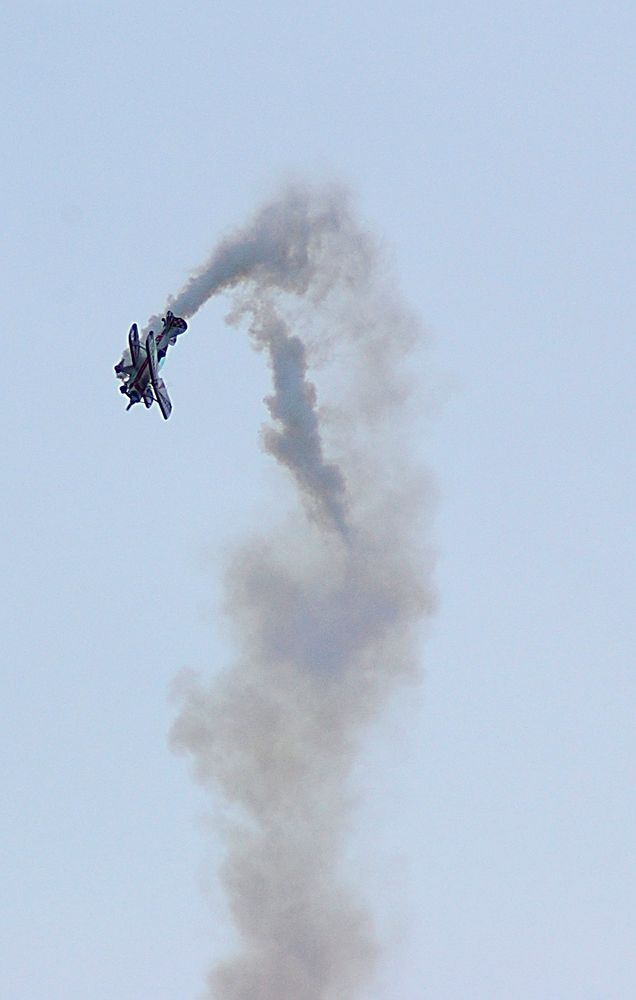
325	611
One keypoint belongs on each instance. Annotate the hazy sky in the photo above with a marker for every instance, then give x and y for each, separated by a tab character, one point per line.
491	147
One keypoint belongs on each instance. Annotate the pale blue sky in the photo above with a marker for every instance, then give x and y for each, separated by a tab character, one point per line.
492	147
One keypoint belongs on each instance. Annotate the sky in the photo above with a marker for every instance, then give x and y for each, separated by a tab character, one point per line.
489	148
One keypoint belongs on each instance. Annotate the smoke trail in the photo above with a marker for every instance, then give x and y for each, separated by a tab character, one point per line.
325	611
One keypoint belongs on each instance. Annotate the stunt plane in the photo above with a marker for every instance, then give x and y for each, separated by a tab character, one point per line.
140	372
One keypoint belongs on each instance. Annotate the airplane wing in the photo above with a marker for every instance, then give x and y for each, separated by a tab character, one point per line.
158	384
133	343
163	398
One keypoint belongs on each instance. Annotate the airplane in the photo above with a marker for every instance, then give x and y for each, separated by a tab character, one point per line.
140	373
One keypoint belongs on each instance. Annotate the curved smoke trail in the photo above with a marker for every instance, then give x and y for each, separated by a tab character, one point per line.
325	610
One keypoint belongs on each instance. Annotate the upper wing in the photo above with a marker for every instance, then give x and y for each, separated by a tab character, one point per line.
158	384
133	343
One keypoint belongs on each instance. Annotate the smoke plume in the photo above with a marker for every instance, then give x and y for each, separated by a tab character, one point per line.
325	607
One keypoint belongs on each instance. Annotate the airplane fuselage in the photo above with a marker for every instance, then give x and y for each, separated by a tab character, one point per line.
140	377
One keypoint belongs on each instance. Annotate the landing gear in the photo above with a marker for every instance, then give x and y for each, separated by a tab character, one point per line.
134	397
